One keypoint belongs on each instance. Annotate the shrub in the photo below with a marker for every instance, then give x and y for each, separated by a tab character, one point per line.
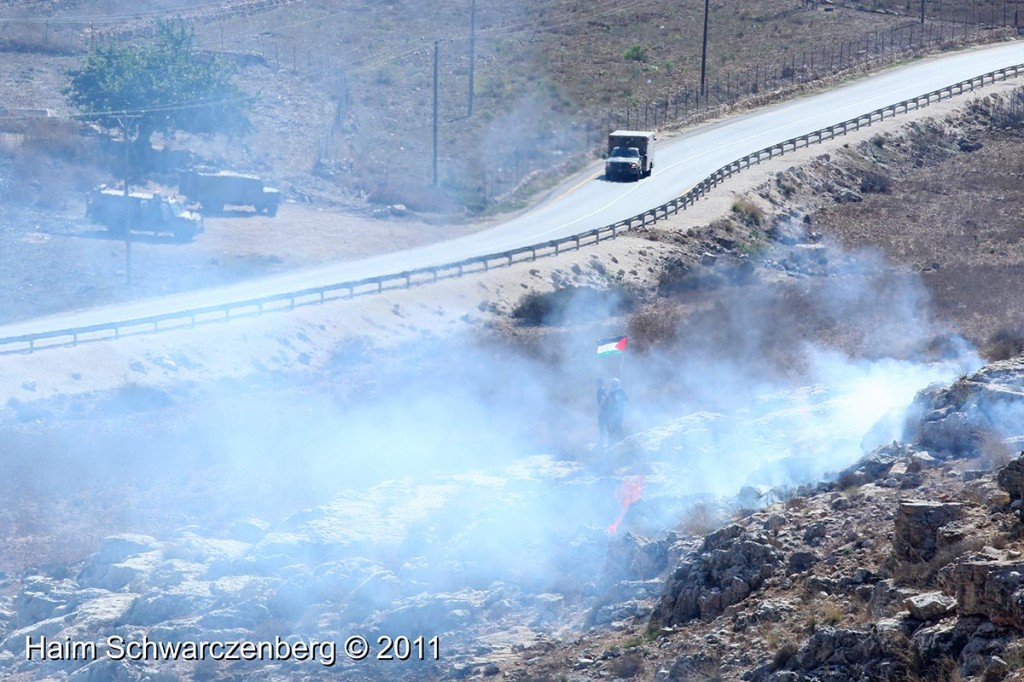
1004	344
654	326
873	181
573	304
783	654
700	519
749	212
636	53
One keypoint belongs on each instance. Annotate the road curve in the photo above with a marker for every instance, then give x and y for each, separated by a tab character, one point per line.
587	201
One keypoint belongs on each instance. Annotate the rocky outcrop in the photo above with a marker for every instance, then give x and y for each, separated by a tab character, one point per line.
918	522
730	564
838	654
992	589
962	420
1011	478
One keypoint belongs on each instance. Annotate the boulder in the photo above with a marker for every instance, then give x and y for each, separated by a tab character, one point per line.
815	533
917	527
886	598
800	562
875	465
1011	478
930	606
634	557
944	639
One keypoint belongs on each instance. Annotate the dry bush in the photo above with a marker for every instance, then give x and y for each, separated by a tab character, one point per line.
873	181
627	666
943	670
748	212
1004	344
783	654
655	326
573	304
923	574
797	503
994	452
700	519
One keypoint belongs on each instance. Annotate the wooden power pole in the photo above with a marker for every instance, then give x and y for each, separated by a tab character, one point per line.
437	47
123	119
704	52
472	54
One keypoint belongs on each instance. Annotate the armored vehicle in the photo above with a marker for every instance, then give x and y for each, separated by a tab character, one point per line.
630	154
213	190
144	211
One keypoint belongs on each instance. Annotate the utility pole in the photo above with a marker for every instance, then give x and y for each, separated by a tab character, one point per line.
472	54
922	12
123	119
704	52
437	47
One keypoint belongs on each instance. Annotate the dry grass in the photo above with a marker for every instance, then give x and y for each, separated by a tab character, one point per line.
700	519
748	212
923	574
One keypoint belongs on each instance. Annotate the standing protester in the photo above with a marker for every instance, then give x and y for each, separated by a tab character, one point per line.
616	401
602	414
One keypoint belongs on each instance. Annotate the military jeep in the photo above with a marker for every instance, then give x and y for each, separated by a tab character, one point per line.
143	212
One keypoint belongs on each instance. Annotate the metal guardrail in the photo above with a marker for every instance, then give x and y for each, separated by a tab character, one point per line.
407	278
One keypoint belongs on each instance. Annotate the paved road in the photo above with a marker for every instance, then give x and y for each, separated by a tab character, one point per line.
587	201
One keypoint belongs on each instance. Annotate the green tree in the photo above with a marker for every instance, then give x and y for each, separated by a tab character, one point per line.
164	85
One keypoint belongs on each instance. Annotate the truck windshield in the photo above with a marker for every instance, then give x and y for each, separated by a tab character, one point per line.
625	151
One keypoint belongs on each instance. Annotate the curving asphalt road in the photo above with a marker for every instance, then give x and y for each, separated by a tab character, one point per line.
587	201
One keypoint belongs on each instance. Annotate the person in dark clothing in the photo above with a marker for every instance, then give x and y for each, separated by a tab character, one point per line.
616	401
602	414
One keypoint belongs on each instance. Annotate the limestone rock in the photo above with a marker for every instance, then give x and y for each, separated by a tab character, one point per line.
917	525
875	465
930	605
1011	478
731	563
993	589
842	654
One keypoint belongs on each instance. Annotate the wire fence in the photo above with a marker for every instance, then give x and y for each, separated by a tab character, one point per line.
988	12
804	67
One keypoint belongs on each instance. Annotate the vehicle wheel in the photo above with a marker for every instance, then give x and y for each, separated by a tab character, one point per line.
272	210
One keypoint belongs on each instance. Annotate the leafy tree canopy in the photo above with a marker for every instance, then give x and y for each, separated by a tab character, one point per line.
161	86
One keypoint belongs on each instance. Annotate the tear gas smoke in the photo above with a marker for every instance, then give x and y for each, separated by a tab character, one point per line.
425	489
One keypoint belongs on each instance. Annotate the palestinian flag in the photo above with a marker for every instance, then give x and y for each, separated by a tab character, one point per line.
613	346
